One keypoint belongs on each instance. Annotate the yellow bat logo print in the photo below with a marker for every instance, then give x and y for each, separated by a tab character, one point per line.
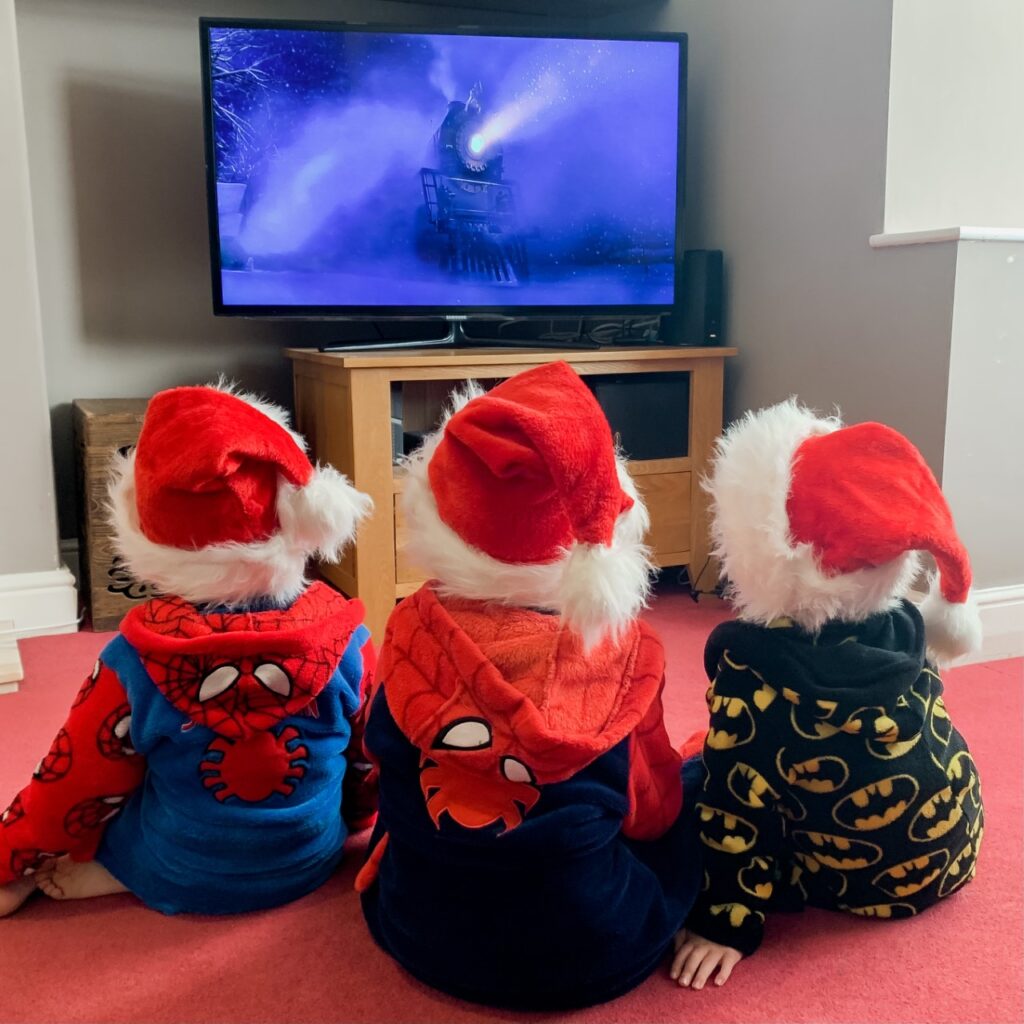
748	785
740	728
962	767
823	774
756	878
883	738
812	721
837	851
937	816
835	881
912	875
883	911
736	912
876	805
941	726
791	808
961	870
725	832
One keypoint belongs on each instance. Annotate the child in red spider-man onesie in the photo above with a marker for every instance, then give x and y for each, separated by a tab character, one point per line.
201	766
530	848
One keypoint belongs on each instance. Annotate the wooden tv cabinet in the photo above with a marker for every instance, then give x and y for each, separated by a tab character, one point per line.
343	407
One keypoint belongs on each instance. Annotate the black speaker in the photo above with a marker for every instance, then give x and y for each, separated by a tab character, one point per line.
698	318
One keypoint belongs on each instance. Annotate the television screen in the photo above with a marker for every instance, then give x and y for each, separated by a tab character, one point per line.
361	172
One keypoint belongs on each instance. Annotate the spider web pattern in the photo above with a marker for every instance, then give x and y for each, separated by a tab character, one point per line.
306	642
13	813
434	674
108	742
57	762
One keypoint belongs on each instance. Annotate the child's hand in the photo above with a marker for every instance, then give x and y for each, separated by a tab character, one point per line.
697	958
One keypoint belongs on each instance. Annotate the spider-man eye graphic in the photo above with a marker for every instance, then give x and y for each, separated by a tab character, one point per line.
268	674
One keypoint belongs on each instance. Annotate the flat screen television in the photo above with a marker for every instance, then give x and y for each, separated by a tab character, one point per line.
361	172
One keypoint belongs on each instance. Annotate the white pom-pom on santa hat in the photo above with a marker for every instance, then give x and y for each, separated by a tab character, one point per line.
815	521
219	504
519	499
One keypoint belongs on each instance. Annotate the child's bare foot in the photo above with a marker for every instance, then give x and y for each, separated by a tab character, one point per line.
66	879
14	894
698	958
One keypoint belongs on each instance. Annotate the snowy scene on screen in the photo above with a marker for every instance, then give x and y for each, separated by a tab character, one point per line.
372	169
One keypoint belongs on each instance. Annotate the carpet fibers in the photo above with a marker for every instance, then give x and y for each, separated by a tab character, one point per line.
112	960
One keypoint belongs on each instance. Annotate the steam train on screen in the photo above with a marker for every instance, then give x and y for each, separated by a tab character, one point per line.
470	209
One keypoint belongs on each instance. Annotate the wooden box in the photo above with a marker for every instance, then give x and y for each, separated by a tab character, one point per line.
102	426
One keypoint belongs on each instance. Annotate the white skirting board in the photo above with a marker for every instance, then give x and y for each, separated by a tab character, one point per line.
11	672
39	603
1002	623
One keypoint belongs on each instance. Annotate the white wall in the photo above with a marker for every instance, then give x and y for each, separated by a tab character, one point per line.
956	115
28	530
983	472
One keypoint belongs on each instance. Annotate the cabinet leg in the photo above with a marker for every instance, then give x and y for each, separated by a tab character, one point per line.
372	473
706	393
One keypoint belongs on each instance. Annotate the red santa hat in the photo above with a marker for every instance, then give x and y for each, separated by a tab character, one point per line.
520	498
219	504
816	521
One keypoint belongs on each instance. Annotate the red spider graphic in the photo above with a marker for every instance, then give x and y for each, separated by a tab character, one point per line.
255	768
113	738
27	862
13	813
89	814
475	801
57	762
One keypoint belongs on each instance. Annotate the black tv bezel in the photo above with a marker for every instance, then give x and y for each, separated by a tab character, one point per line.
450	312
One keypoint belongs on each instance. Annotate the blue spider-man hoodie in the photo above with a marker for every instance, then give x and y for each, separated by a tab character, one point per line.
530	849
213	742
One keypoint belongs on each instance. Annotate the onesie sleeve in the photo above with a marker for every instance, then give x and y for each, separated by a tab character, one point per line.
359	797
81	783
655	779
737	814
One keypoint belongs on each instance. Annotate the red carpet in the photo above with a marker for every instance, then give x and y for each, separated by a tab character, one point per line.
112	960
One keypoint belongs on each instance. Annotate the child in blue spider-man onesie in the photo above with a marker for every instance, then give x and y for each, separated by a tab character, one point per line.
531	848
201	766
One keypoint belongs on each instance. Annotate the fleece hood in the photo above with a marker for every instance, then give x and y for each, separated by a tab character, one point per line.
849	665
241	672
473	680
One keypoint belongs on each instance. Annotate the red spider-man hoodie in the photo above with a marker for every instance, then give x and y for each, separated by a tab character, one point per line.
529	849
202	762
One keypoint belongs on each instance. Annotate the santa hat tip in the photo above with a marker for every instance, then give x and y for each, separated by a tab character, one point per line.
951	630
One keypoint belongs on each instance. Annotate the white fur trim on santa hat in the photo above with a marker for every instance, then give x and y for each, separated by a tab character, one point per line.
597	590
318	519
951	630
768	576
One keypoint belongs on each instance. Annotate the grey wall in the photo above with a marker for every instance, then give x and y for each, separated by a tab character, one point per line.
786	163
114	123
28	530
786	172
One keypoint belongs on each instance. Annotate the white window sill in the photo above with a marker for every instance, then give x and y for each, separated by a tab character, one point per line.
961	234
